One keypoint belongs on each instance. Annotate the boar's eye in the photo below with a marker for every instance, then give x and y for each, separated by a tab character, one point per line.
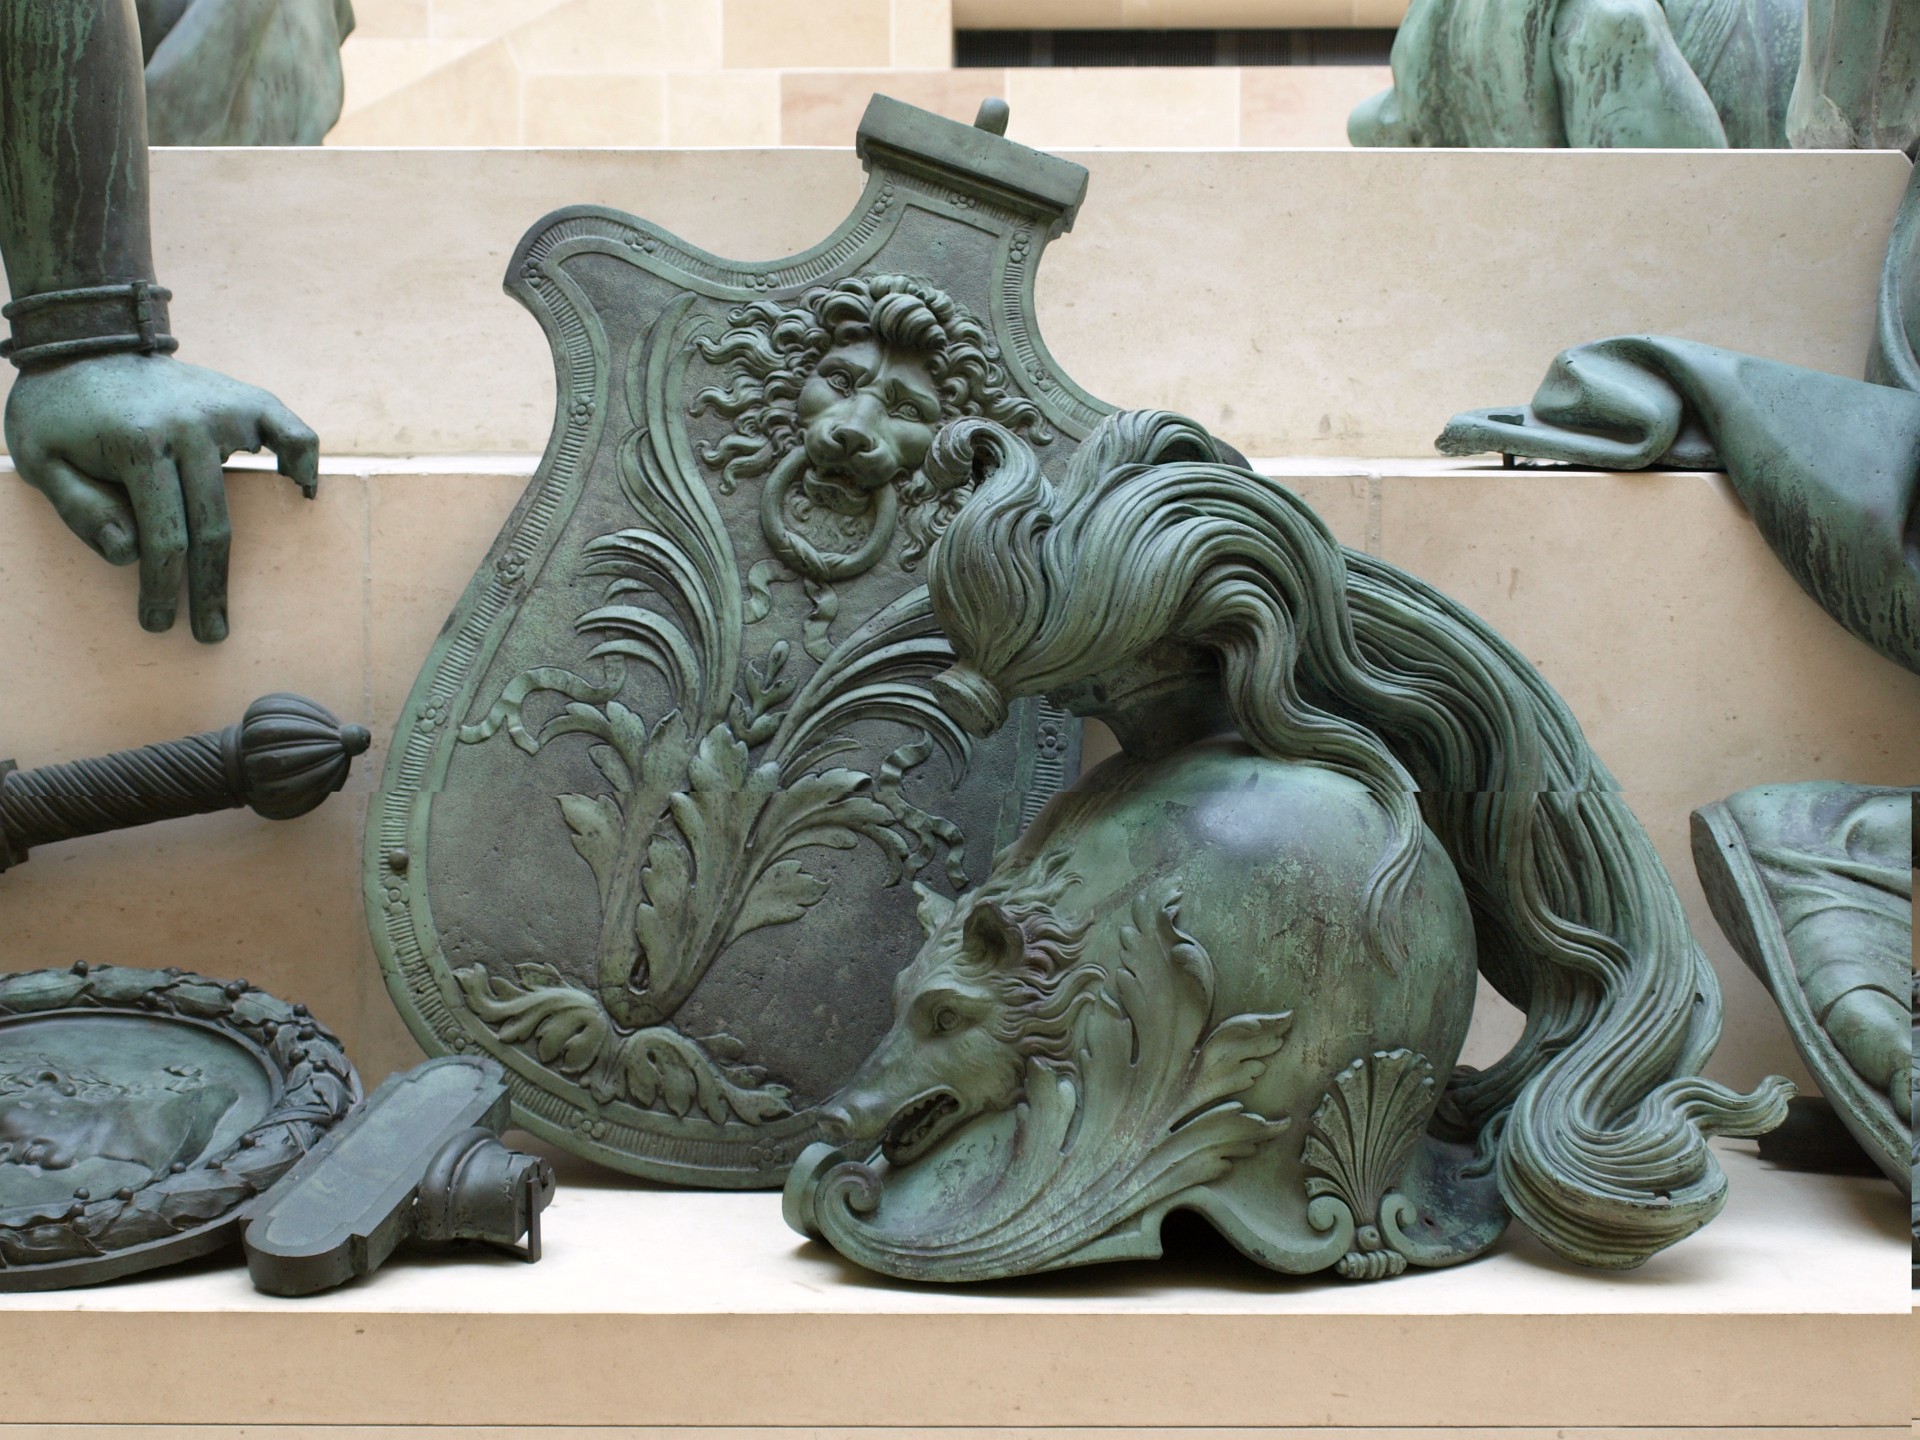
941	1013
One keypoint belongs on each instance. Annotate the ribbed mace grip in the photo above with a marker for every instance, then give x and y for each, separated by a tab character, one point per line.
285	756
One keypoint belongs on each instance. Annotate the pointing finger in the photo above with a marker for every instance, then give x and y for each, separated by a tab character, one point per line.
154	487
203	491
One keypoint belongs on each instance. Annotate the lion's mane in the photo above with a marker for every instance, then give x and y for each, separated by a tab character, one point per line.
771	349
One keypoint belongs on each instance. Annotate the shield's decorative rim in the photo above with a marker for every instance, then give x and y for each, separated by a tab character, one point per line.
1033	198
1867	1113
314	1087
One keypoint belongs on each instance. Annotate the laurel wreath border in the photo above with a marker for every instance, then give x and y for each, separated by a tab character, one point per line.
315	1088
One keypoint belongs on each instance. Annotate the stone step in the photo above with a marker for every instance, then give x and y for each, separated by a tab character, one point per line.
1694	663
1297	302
659	1309
1172	14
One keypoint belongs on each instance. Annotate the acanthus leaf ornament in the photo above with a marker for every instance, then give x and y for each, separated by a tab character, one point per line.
1133	1096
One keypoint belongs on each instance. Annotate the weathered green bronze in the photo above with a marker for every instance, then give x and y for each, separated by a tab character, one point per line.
650	817
243	72
140	1112
421	1161
126	442
146	1116
1811	883
1859	82
1655	73
1230	971
1751	74
1828	467
284	758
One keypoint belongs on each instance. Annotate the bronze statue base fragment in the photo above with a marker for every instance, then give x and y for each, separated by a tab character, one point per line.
420	1161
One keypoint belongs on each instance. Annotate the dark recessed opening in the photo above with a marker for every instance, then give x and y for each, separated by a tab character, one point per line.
999	49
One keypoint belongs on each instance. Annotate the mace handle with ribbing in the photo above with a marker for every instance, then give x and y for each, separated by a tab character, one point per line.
285	756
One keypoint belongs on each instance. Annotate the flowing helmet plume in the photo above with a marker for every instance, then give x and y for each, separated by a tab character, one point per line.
1596	1120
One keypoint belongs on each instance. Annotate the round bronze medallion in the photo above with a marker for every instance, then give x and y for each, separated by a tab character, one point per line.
140	1110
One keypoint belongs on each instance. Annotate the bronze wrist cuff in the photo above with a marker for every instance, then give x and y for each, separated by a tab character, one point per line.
61	325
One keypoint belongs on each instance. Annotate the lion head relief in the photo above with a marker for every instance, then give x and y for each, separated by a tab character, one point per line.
836	399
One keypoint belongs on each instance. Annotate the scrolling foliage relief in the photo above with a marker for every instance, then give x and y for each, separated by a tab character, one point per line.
714	804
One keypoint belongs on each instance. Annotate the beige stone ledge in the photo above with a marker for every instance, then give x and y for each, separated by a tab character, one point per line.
1196	106
487	100
402	45
1039	14
1343	302
1175	14
375	68
616	109
390	19
460	94
1297	302
800	34
1236	14
1304	104
489	19
922	34
746	1371
725	108
620	37
1797	1282
1695	666
823	107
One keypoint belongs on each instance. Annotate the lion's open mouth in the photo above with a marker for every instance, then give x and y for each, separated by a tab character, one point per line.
918	1124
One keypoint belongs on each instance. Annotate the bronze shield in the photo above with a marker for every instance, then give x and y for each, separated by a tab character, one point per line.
651	825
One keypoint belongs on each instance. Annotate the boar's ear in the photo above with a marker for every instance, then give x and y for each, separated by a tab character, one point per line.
935	908
993	934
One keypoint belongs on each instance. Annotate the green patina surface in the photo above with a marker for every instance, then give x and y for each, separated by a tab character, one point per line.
125	441
142	1111
1231	970
654	808
1811	882
1747	74
1813	885
243	72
